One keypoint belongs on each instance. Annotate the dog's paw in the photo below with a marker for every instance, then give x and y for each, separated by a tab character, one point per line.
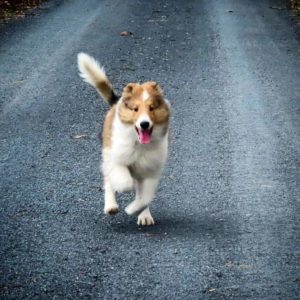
111	210
145	219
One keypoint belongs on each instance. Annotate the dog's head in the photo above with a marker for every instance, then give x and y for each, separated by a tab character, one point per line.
144	107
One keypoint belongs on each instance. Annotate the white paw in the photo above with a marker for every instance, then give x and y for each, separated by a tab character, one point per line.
111	209
145	220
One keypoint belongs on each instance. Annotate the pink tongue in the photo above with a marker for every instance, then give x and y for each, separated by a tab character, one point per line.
144	136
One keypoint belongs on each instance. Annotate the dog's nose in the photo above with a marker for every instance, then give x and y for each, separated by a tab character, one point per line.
144	125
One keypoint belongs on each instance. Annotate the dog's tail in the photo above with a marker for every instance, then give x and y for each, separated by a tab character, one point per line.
93	73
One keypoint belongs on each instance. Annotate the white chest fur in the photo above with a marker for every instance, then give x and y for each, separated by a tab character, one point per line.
142	160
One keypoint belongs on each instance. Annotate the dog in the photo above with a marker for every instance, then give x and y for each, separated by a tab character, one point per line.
134	139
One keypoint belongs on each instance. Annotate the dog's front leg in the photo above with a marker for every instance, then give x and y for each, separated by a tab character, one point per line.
145	191
120	178
111	206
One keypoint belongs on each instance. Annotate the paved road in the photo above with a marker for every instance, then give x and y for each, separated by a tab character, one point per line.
227	210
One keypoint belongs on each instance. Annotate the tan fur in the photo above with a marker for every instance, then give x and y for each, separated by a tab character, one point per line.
107	128
105	90
133	105
138	118
112	211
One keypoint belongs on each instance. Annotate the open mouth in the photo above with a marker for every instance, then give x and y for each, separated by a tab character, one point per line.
144	135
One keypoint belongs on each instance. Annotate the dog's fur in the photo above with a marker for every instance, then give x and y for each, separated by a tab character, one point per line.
132	157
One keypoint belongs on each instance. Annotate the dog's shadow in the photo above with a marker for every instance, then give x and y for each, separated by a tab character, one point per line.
192	226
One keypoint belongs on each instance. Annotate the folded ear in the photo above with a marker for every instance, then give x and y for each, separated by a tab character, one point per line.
129	88
155	86
152	84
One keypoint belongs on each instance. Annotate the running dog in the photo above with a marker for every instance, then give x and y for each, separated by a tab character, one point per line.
134	139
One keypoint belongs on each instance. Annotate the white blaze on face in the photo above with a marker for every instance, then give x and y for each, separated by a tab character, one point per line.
145	95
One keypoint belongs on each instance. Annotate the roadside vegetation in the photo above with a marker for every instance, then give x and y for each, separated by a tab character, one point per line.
20	8
16	8
294	4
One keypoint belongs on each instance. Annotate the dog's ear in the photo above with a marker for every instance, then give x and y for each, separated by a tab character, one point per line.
155	86
129	88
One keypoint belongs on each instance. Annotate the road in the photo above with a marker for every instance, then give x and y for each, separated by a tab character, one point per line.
227	208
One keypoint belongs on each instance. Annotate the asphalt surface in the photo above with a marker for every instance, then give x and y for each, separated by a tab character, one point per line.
227	208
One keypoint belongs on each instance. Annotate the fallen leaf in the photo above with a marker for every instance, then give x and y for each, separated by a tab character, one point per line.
17	82
244	266
277	7
126	33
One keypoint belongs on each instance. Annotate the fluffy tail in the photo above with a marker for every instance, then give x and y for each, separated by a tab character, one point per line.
94	74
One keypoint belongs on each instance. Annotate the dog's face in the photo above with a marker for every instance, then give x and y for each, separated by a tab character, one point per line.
144	107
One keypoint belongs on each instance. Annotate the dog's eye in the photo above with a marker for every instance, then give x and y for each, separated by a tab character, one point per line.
131	107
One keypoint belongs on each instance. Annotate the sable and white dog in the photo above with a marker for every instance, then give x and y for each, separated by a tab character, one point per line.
134	139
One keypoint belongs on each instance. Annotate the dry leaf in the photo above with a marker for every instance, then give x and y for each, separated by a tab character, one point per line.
277	7
126	33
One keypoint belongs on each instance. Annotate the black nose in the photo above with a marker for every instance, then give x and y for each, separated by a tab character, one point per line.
145	125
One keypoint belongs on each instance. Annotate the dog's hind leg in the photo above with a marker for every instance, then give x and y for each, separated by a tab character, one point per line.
145	191
111	206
